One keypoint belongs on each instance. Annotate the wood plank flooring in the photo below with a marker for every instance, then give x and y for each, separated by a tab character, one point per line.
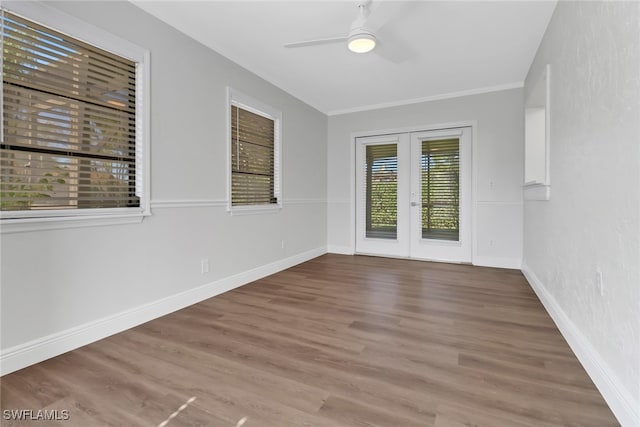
336	341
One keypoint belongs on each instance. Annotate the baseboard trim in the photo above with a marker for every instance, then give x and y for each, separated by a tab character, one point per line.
619	399
23	355
340	250
512	263
497	262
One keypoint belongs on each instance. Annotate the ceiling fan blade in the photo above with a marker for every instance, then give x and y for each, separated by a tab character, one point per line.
396	55
316	42
383	13
394	49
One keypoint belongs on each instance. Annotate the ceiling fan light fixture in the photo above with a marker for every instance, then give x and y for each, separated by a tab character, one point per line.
361	42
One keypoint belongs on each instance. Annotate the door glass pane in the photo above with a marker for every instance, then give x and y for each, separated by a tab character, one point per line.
440	182
381	191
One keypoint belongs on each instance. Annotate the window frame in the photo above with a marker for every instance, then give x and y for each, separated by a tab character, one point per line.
32	220
248	103
450	156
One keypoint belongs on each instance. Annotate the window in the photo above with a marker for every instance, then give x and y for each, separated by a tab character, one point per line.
381	181
254	154
73	128
440	182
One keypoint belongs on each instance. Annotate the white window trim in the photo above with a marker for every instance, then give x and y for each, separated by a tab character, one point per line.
246	102
23	221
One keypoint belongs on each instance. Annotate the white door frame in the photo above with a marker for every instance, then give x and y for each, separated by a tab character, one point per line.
430	127
434	249
398	247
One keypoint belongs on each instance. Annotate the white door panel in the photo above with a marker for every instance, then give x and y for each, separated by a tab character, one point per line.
441	195
382	210
413	195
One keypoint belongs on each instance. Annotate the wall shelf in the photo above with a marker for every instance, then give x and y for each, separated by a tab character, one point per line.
537	139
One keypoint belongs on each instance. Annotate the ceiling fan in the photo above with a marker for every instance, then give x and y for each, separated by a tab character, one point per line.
361	38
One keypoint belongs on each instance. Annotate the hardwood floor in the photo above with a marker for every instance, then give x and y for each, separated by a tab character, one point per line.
336	341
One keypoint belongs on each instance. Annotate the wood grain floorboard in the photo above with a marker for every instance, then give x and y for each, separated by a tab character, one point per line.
336	341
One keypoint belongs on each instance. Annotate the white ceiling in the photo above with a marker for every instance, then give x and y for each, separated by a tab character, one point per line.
427	49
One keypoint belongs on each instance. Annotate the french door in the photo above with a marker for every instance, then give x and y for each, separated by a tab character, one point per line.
413	195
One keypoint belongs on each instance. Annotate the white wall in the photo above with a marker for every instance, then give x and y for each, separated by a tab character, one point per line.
593	218
499	161
58	281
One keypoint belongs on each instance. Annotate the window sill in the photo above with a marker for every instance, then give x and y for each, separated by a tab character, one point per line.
25	225
536	191
255	210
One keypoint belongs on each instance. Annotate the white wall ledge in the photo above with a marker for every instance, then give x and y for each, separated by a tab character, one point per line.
536	191
25	225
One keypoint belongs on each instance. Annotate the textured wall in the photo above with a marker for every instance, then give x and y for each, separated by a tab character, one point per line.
593	218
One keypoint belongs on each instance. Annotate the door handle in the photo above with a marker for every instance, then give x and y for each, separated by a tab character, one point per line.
415	203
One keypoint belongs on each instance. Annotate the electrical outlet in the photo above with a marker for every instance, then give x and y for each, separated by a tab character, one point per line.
599	282
282	244
204	266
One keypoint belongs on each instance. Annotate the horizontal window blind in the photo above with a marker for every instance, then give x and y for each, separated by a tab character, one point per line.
381	192
253	160
440	179
69	122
